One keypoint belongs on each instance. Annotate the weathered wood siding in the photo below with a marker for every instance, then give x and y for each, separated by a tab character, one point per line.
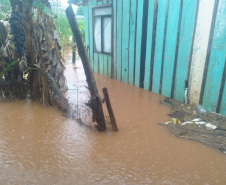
162	16
185	47
202	34
216	61
186	37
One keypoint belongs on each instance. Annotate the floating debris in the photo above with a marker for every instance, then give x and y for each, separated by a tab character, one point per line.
201	109
196	120
188	122
176	121
200	123
167	123
210	126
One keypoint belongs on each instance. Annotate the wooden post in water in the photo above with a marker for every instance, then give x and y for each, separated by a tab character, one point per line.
95	102
110	110
44	77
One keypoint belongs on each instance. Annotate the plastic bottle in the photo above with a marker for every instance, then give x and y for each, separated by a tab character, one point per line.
186	96
201	110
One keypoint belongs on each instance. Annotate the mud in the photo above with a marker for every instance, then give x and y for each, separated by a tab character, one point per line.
185	112
39	146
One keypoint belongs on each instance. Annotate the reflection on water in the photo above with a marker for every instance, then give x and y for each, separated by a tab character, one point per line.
39	146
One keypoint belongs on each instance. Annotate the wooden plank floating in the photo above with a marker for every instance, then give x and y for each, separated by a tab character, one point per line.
149	48
125	40
187	26
170	47
216	61
160	29
132	40
119	38
138	41
200	49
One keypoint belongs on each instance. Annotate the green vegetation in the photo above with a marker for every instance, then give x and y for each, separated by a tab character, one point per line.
61	21
64	30
5	9
13	65
81	24
62	24
38	4
80	10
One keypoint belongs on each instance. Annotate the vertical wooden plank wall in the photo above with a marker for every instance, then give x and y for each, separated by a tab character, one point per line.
160	29
179	23
90	34
105	57
115	37
149	45
216	61
86	19
105	64
223	100
200	49
96	62
99	3
140	6
125	41
170	47
100	56
132	37
119	38
109	58
186	33
95	55
100	63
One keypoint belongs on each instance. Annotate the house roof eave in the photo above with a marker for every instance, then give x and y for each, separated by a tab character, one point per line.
77	2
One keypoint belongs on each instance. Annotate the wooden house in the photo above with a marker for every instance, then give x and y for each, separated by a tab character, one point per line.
163	46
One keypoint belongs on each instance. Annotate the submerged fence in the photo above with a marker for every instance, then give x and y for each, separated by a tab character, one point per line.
166	46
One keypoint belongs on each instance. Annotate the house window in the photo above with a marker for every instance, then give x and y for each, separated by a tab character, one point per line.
102	29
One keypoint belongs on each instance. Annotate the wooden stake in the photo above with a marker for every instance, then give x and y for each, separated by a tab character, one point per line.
95	102
110	110
44	77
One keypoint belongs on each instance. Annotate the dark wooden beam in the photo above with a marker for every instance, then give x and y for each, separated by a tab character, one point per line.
110	110
95	102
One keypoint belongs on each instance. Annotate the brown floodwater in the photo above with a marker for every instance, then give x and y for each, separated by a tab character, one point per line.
39	146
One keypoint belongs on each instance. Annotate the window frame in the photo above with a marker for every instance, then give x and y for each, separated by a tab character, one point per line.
102	16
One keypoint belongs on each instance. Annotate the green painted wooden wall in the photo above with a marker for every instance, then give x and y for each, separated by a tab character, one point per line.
170	35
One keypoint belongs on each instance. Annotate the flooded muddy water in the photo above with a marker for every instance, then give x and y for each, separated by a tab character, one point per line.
39	146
